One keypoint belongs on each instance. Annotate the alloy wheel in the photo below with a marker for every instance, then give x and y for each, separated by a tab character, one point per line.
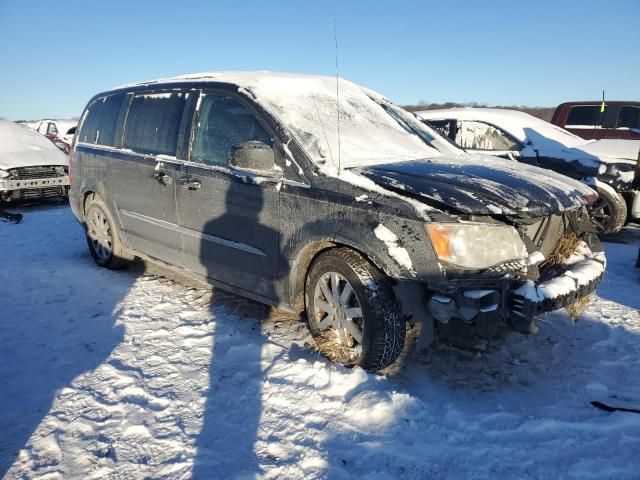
601	214
338	314
99	232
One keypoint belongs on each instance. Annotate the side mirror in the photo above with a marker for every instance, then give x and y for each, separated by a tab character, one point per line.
253	157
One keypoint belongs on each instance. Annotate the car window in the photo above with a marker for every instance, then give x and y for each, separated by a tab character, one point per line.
446	128
584	116
153	122
99	122
52	129
628	117
474	135
222	123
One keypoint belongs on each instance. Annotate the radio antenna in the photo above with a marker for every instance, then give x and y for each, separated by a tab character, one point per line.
603	106
335	37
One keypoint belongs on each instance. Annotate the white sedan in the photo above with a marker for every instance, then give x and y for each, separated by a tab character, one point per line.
609	166
31	167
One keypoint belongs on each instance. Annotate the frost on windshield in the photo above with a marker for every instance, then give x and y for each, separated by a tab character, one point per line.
309	109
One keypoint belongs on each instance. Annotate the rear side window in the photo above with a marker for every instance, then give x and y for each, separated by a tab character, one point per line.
153	122
482	136
222	123
584	116
628	117
100	121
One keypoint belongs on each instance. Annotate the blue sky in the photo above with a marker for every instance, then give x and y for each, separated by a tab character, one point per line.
54	56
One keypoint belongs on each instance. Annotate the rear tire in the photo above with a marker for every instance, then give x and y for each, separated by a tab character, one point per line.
353	314
609	213
103	237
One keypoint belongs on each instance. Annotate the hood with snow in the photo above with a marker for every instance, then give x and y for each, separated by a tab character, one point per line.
483	185
21	147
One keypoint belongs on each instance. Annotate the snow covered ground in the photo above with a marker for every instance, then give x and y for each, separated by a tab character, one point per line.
132	375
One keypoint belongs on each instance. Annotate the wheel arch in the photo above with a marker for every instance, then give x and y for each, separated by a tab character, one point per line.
87	197
304	260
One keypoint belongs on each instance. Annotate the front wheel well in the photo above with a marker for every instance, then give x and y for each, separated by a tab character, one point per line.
87	198
302	264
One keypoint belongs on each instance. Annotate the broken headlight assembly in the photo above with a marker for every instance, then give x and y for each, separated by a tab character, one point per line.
476	245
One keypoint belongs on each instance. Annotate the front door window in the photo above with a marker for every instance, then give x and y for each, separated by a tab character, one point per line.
222	123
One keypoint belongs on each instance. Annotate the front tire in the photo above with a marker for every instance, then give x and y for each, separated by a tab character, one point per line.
609	213
353	314
103	237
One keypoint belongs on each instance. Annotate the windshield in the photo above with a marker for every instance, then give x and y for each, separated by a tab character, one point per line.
415	126
368	134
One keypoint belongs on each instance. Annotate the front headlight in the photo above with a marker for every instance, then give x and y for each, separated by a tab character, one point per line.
4	174
60	170
476	245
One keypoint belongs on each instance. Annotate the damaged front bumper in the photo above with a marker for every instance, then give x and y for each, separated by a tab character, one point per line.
518	303
33	189
7	185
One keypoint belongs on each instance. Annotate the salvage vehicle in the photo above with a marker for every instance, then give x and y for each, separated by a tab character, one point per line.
590	120
609	166
60	132
31	167
244	180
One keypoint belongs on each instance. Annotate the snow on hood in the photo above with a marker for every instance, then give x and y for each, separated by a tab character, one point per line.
614	149
21	147
306	106
481	184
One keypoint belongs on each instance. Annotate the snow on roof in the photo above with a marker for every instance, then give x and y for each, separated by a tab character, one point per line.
21	146
519	124
307	106
241	78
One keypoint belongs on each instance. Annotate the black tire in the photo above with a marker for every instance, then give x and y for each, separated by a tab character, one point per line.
105	246
382	324
609	212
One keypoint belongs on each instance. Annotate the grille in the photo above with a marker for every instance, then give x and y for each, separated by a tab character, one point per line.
30	173
31	193
545	233
509	267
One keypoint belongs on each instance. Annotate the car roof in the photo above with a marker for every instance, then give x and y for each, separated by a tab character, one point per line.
598	102
239	78
473	113
227	79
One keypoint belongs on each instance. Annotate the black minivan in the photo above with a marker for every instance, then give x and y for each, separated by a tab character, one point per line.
342	206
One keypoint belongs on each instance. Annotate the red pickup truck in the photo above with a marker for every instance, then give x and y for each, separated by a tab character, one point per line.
587	120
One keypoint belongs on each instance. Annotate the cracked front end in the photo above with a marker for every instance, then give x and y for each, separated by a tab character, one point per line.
33	183
563	263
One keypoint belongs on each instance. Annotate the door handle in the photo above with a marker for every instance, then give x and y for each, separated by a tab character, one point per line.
191	183
162	177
